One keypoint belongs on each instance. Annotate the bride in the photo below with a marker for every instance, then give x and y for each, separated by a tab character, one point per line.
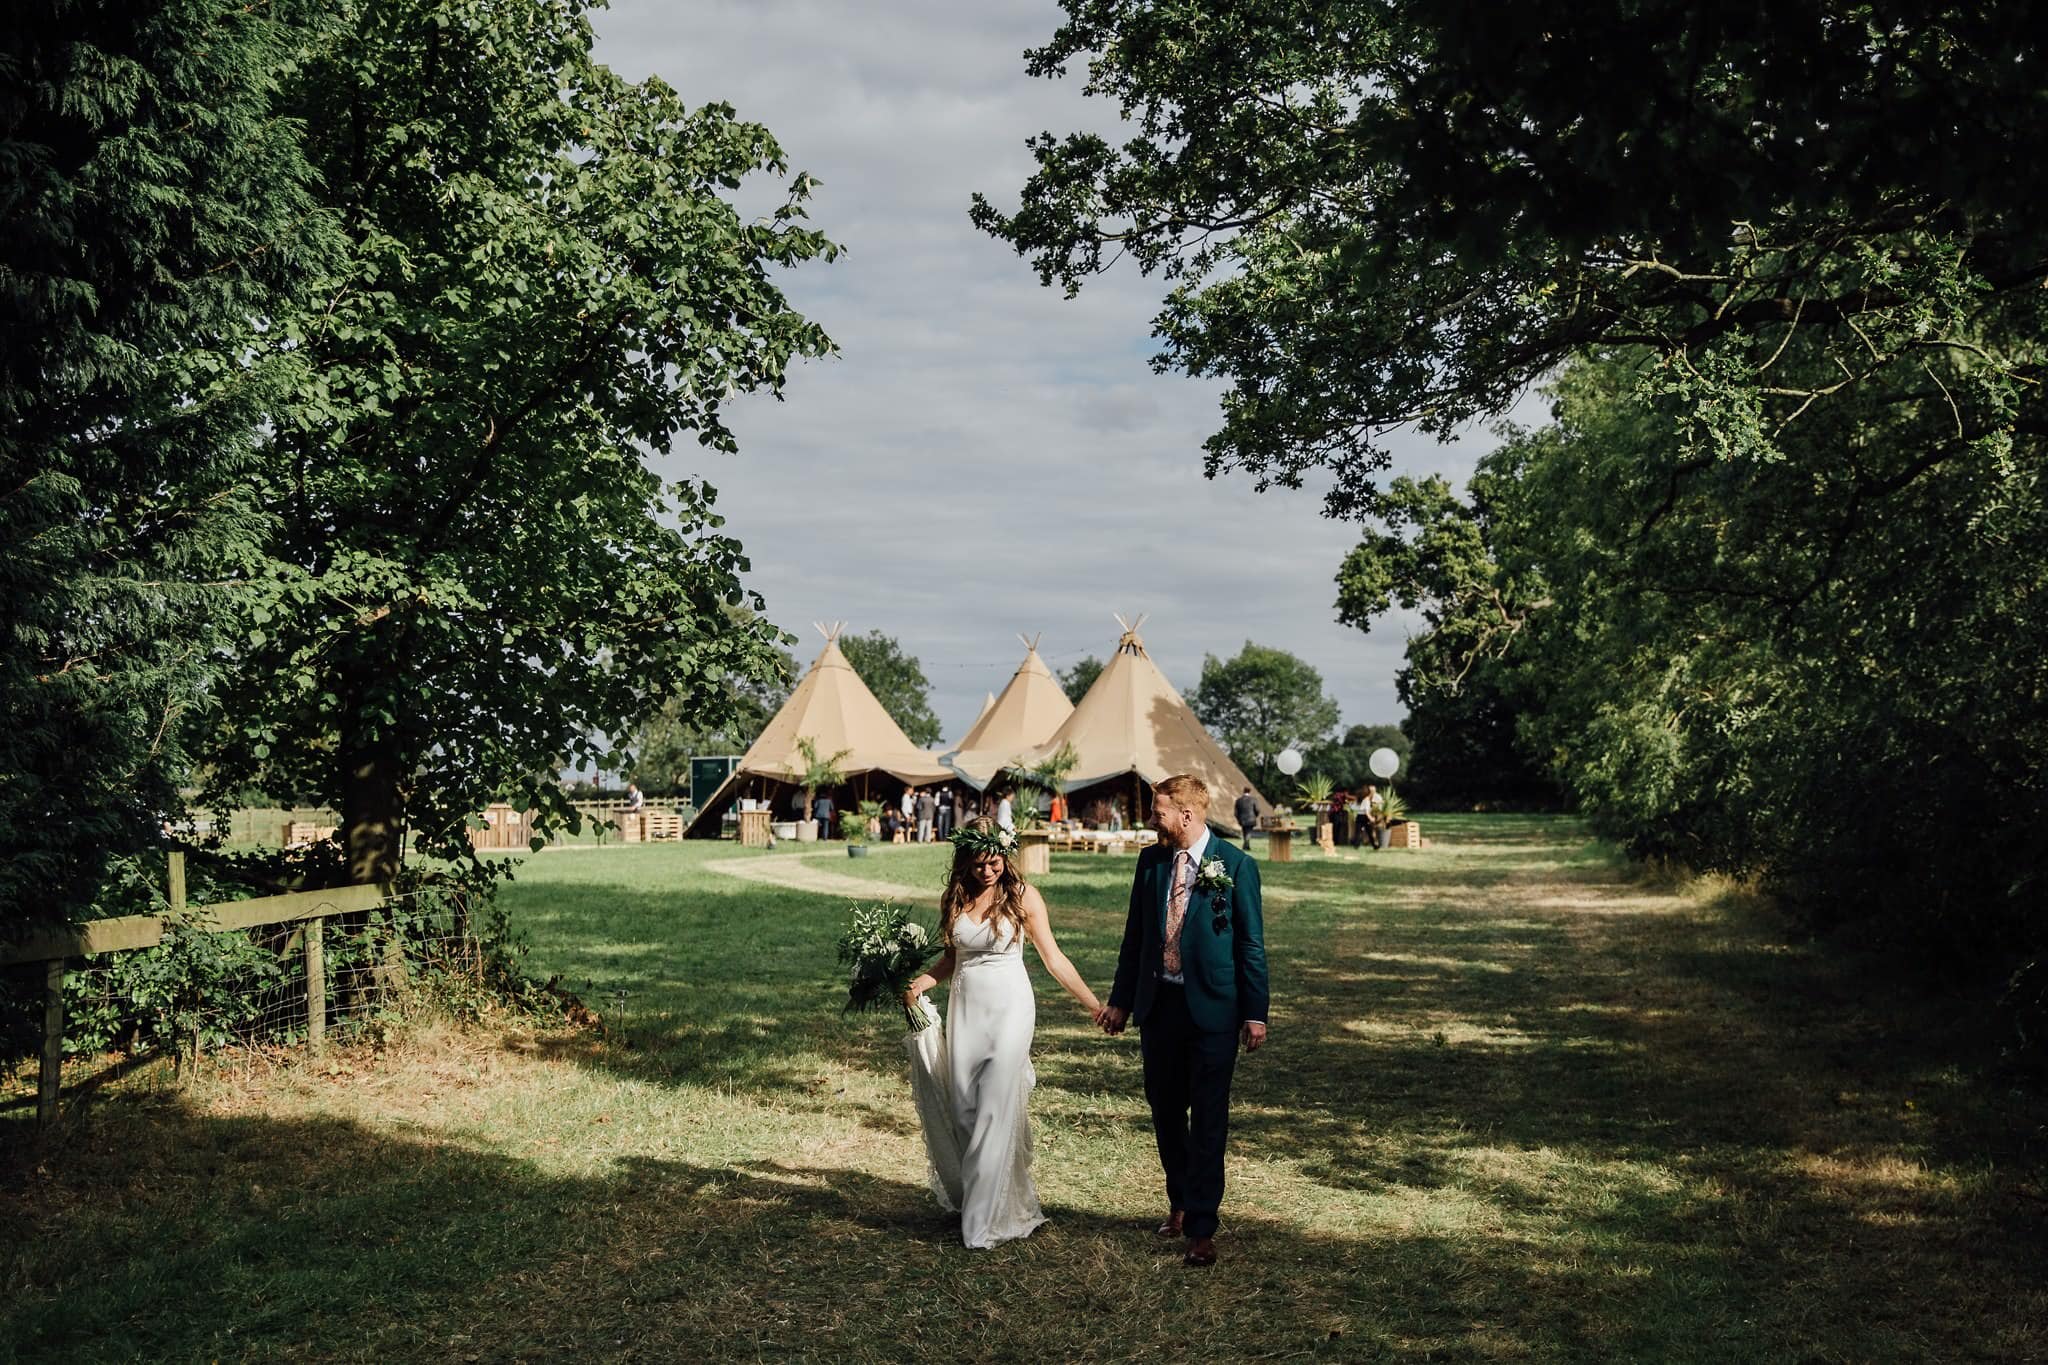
986	913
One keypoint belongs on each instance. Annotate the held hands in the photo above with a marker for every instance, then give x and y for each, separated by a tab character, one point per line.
1111	1020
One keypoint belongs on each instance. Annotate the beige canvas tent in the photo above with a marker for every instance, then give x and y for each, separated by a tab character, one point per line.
1031	708
1132	730
833	709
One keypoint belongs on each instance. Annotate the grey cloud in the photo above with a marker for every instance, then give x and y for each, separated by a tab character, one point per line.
984	457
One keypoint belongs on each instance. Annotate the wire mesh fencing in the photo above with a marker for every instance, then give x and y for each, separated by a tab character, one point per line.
278	986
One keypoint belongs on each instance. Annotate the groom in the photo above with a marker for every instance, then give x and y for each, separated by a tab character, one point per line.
1192	972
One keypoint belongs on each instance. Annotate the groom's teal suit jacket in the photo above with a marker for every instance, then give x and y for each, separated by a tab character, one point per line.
1224	965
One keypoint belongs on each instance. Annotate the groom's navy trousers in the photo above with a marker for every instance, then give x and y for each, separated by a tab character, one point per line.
1187	1083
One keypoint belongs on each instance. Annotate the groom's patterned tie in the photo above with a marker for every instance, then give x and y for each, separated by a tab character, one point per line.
1177	907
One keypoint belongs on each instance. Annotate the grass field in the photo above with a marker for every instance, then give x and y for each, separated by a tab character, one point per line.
1517	1106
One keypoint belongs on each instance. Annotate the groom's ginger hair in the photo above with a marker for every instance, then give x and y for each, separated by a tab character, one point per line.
1185	789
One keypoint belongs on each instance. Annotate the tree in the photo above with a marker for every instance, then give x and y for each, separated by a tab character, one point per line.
477	580
1664	679
1376	215
1079	677
155	210
1793	324
666	742
898	682
1436	556
1260	702
1345	761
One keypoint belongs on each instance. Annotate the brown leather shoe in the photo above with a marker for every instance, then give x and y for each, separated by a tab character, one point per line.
1201	1251
1171	1227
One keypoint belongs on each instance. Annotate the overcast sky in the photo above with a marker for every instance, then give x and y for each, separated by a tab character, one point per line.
985	457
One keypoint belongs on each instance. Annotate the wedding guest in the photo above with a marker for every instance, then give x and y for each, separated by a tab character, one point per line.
636	806
945	825
1006	817
1247	812
927	812
1375	816
822	810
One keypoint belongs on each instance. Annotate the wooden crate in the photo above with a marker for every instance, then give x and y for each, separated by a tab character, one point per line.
1407	834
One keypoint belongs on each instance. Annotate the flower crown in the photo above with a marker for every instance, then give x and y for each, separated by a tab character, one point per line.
997	840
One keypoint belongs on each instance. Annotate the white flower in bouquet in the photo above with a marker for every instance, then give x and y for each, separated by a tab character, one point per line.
886	950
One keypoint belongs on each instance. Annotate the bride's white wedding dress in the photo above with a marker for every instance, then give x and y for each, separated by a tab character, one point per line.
985	1061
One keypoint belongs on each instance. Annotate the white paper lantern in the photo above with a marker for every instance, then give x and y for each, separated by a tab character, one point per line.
1383	762
1289	762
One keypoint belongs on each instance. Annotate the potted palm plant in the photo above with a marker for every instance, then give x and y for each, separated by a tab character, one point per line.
1034	844
1315	794
818	773
853	827
1399	830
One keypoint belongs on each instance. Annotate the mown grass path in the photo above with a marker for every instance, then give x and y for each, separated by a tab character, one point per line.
801	872
1517	1106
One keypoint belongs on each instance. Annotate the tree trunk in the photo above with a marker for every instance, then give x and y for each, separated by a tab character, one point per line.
372	822
372	810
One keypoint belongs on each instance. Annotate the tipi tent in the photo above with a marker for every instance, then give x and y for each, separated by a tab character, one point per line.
1032	706
1132	730
833	709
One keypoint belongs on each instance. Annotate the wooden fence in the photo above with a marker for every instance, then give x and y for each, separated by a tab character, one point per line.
55	947
661	817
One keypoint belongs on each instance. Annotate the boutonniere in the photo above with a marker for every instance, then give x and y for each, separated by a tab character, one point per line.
1211	877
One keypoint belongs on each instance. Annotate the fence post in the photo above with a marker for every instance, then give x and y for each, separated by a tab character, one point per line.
316	987
186	1070
53	1044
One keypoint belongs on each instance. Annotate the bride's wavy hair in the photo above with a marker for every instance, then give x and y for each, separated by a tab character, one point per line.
961	888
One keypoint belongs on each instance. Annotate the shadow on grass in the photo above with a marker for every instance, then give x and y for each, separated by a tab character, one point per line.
265	1237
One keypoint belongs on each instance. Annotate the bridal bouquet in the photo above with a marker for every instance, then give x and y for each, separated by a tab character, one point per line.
885	950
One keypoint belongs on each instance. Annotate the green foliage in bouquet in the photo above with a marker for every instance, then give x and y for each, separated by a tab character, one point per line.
883	950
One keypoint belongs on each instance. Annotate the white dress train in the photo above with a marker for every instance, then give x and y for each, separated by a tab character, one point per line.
982	1166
